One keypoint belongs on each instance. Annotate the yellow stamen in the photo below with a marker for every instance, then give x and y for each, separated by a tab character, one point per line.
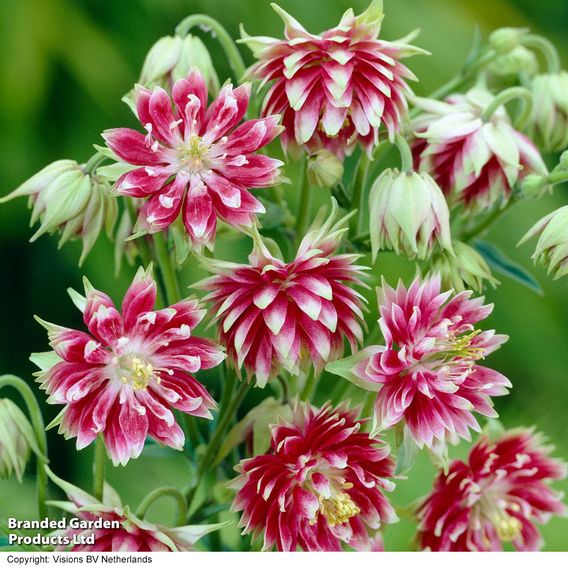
137	372
338	509
192	154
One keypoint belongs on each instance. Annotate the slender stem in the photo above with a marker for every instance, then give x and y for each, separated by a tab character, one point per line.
207	23
167	269
152	497
553	178
285	389
487	221
358	195
141	244
368	406
228	389
405	154
546	47
304	203
93	162
38	426
99	469
508	95
339	390
309	387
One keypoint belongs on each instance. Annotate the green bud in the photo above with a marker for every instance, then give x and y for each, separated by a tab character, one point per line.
325	169
533	186
551	250
172	58
464	270
563	161
519	59
504	40
409	214
16	440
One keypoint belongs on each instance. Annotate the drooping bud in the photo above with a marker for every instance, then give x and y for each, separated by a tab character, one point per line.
464	270
67	199
519	59
549	121
533	186
171	58
16	440
551	250
504	40
324	169
409	214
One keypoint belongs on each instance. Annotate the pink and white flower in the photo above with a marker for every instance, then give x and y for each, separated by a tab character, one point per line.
496	496
320	486
194	161
476	162
131	535
427	374
275	315
337	88
124	377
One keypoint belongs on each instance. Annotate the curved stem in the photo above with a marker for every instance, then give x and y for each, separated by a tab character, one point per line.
304	204
93	162
38	426
309	387
508	95
487	221
556	177
141	244
285	389
358	194
222	35
405	154
153	496
99	469
167	269
547	48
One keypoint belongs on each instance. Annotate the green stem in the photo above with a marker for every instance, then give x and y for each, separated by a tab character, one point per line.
368	406
358	194
167	269
556	177
405	154
228	389
304	204
546	47
93	162
309	387
152	497
141	244
285	389
38	426
99	469
206	22
508	95
487	222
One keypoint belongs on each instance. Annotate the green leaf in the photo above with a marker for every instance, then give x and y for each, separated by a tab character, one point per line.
500	263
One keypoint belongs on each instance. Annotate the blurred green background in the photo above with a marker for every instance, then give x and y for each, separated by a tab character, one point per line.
64	65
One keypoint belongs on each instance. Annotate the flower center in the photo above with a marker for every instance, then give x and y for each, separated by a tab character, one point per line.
338	508
136	371
192	155
506	526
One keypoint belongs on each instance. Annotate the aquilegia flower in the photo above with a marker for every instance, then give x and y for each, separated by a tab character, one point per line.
337	88
427	373
551	249
408	214
121	379
65	198
475	162
496	496
127	533
273	315
213	162
320	486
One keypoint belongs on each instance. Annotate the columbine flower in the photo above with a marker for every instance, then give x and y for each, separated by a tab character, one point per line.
17	439
550	110
320	486
122	378
172	58
494	497
66	199
464	270
275	315
132	534
475	162
212	161
409	214
427	373
551	249
337	88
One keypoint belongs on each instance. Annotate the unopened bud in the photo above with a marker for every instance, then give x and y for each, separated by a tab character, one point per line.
504	40
324	169
533	186
16	440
